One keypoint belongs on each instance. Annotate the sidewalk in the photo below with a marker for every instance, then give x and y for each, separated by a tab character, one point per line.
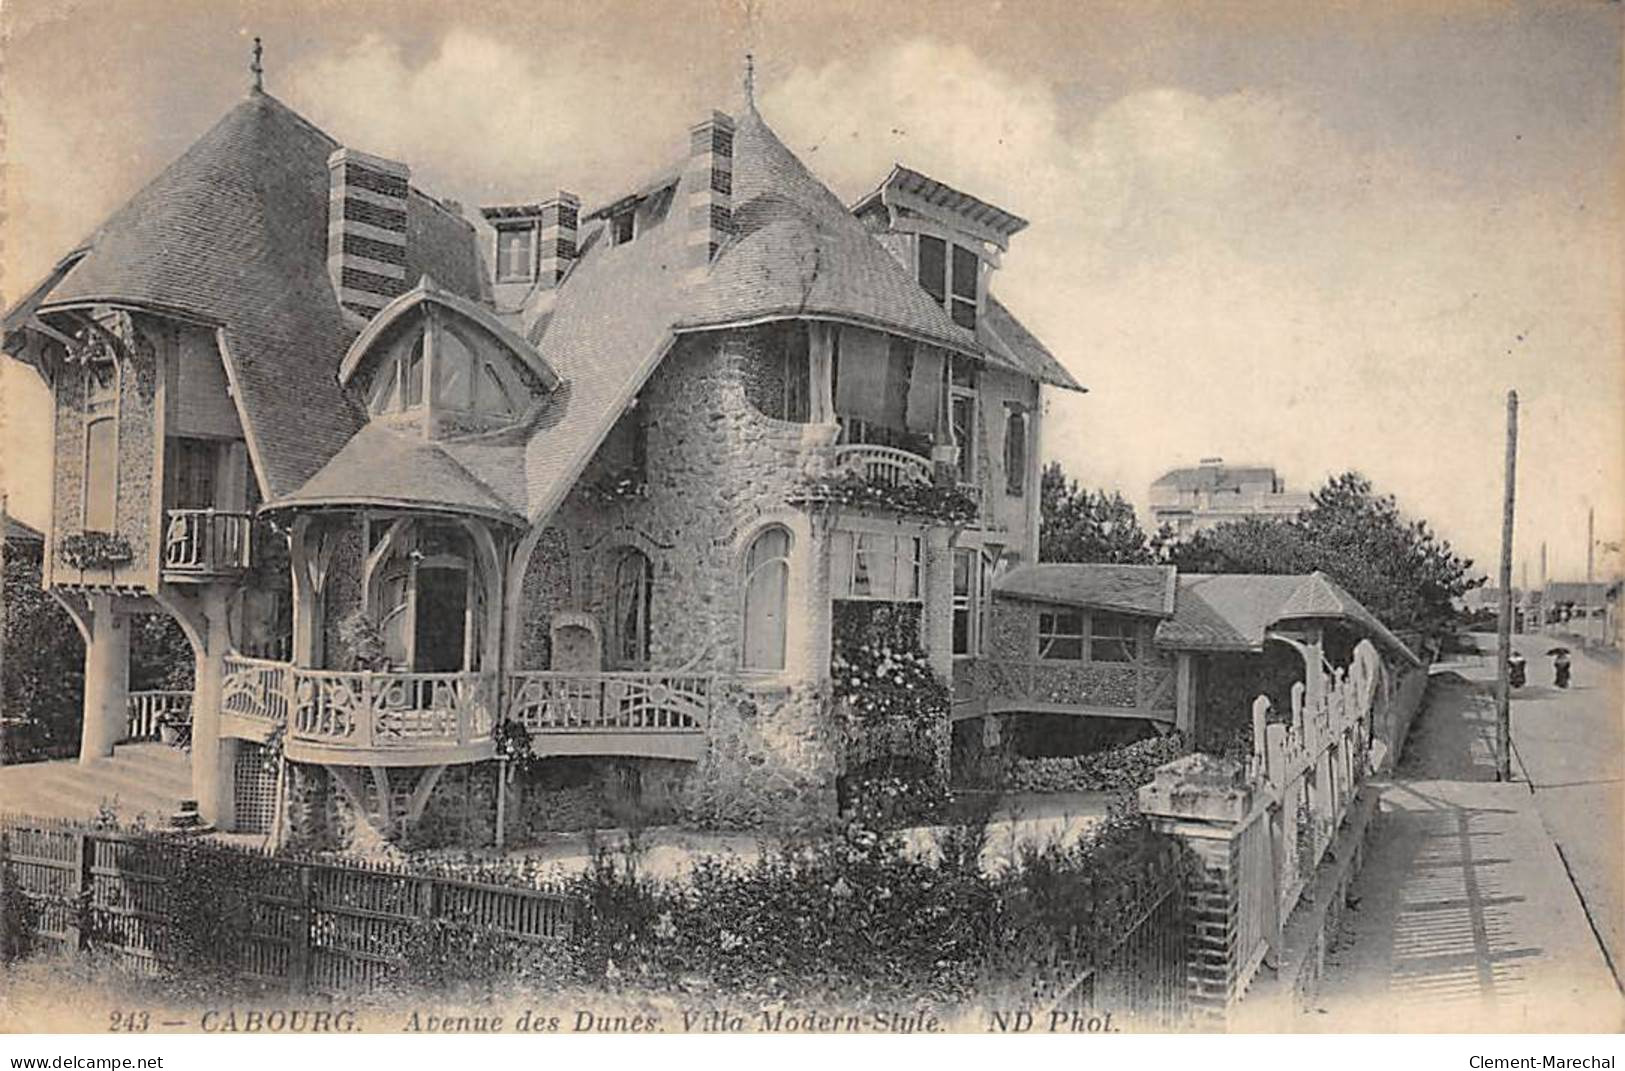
1464	918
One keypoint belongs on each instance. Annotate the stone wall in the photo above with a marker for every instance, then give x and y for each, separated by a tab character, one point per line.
343	594
717	470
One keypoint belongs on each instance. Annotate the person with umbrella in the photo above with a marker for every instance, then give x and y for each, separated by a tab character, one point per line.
1560	666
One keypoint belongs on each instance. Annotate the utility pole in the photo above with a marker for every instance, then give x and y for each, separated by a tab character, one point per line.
1591	546
1503	684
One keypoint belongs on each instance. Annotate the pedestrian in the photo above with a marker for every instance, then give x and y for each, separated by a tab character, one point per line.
1560	666
1517	670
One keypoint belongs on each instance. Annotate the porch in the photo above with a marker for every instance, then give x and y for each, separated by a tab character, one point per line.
397	718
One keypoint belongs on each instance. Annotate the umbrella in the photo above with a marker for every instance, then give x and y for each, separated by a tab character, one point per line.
1558	650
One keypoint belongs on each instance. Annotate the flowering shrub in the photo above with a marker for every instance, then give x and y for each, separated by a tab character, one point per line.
616	486
855	916
942	502
95	550
1118	769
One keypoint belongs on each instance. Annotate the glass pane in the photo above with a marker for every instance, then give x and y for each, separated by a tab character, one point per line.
454	373
961	629
963	561
964	312
765	596
934	266
880	555
412	376
514	253
101	481
965	265
964	424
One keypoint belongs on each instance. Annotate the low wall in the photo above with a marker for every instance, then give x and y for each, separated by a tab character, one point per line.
1391	725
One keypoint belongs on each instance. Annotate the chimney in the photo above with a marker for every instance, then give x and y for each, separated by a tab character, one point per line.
710	186
366	230
558	238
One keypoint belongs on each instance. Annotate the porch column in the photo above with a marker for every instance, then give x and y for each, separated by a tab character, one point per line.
107	681
1185	697
937	621
213	758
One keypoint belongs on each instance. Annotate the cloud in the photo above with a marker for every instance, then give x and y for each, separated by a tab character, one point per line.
1230	275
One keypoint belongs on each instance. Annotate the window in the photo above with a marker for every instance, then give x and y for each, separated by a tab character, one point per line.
101	474
767	593
1060	635
962	303
516	254
934	267
1015	451
970	602
962	415
634	587
875	565
195	464
412	377
949	273
1112	639
621	227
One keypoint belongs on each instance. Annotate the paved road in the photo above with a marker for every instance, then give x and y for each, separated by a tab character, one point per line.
1464	918
1571	747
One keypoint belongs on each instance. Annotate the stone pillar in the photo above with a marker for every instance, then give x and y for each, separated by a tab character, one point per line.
213	758
937	620
1207	803
107	681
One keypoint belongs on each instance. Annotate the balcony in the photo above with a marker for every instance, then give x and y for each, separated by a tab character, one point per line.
205	544
411	719
886	466
652	715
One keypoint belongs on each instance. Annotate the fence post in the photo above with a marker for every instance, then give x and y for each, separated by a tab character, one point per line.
299	951
1207	803
84	884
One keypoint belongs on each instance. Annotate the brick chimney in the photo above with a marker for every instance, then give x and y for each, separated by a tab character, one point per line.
709	181
558	238
366	230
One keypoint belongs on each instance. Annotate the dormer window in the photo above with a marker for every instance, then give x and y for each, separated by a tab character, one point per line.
622	226
949	274
516	254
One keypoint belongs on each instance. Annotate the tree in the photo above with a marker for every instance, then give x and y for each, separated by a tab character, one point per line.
1398	568
42	694
1078	525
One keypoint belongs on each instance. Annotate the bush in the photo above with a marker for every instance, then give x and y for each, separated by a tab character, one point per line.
1119	769
19	918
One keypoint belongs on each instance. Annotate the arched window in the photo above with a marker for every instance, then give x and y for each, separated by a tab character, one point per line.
767	591
634	584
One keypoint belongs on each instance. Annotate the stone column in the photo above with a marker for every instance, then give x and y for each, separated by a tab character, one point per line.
213	758
107	681
1207	803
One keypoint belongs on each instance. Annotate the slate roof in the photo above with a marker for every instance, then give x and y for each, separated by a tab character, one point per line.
23	533
380	466
798	251
1134	589
1233	612
1001	331
234	233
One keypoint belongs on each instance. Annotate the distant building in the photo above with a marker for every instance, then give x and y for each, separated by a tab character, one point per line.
1190	500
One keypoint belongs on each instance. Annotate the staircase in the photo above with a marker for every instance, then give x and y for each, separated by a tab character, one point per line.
148	779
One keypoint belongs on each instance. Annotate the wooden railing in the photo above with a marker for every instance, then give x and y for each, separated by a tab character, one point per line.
256	688
206	542
1305	775
391	710
881	464
552	702
146	710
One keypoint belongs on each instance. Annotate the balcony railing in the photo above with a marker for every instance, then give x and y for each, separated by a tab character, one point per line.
147	712
206	542
256	688
881	464
391	711
552	702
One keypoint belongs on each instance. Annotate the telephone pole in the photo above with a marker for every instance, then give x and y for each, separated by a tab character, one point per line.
1503	683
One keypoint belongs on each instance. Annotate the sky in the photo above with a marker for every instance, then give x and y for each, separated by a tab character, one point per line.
1320	236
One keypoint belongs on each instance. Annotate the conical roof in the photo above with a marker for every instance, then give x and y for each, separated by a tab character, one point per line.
234	233
798	251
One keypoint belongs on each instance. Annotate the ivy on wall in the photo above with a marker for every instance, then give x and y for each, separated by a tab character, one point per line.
946	503
94	550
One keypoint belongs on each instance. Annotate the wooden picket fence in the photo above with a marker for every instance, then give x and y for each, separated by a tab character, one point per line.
303	925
